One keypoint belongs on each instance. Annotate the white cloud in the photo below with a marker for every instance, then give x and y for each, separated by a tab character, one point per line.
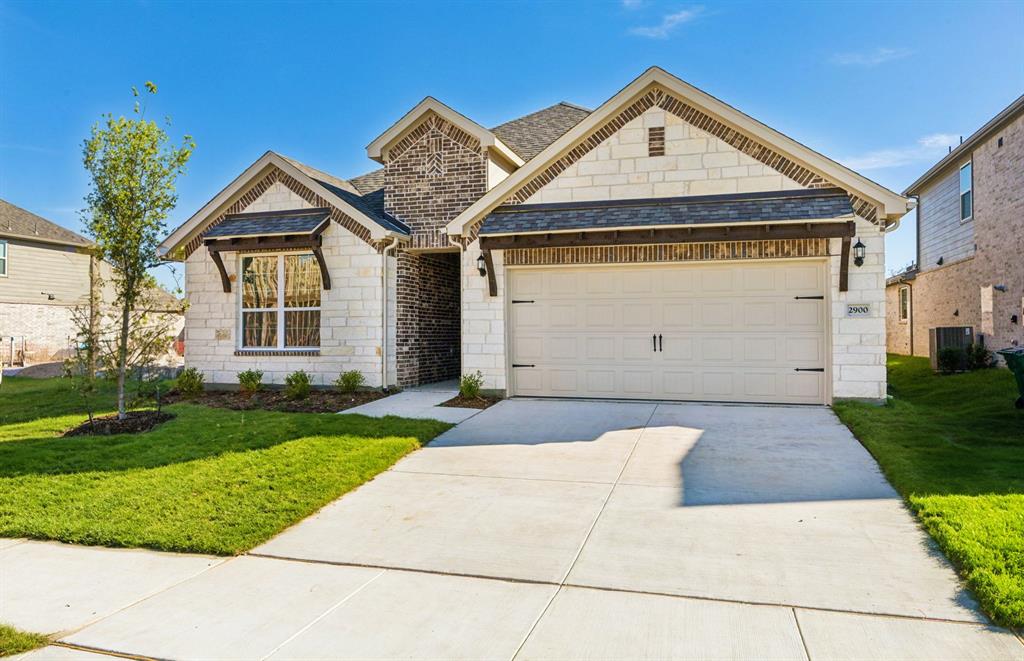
870	58
930	147
669	22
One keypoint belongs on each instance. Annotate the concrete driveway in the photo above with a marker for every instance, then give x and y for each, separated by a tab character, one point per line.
564	529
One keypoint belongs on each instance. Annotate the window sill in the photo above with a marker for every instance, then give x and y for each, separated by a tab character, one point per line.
277	352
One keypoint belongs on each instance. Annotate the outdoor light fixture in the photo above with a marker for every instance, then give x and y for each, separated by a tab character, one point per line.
859	250
481	264
999	288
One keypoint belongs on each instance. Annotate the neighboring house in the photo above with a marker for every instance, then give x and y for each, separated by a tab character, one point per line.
664	245
45	273
970	243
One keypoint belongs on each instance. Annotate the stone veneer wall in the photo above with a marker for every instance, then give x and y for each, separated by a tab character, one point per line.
350	318
431	175
428	323
954	295
694	163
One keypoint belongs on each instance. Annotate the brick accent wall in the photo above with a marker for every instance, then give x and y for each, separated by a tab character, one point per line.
431	175
962	287
47	329
669	252
427	317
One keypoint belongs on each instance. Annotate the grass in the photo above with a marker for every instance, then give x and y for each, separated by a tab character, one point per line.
954	447
210	481
14	642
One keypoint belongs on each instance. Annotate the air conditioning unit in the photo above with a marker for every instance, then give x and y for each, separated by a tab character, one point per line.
945	337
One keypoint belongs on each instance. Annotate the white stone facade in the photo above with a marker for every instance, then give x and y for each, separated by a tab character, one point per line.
48	330
350	316
483	321
695	163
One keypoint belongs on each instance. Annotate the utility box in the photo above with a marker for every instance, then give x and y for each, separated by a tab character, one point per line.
945	337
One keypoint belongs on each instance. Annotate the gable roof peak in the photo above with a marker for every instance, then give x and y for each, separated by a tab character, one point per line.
377	149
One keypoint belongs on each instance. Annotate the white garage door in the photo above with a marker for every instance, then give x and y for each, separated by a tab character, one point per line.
749	332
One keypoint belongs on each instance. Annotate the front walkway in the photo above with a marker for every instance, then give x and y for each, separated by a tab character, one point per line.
543	529
419	402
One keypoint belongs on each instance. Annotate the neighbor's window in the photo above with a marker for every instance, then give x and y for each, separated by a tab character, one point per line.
3	258
280	301
966	192
904	303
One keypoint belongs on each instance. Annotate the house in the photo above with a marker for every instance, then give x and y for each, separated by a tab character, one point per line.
664	245
970	241
45	273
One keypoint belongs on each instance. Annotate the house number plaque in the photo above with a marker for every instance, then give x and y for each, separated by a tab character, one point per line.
858	309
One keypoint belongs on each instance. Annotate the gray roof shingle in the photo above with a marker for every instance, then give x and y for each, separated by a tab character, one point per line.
17	222
277	223
530	134
815	204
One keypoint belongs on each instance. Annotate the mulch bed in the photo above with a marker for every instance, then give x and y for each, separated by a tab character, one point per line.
458	401
318	401
136	423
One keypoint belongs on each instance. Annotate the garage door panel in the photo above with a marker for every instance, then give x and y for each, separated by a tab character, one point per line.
729	332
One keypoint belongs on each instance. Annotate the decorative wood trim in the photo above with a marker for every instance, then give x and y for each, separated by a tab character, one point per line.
325	277
492	280
225	281
669	235
844	265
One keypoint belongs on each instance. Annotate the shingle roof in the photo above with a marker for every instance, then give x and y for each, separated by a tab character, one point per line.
271	223
15	221
346	190
529	135
369	182
815	204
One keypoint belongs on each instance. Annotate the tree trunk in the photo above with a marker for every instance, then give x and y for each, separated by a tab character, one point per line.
94	315
122	358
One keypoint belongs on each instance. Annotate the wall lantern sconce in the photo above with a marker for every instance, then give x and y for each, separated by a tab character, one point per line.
481	264
859	250
999	288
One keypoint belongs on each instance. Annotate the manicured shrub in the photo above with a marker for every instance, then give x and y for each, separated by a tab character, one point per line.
978	357
296	385
190	383
350	381
951	359
250	381
470	385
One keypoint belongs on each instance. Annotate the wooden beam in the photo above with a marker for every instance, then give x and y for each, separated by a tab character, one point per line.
263	243
325	277
844	265
670	235
225	281
492	280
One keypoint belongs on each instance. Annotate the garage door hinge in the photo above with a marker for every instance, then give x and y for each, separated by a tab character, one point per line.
522	365
812	298
809	369
515	301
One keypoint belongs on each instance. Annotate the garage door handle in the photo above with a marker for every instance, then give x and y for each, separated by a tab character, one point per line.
809	369
522	365
809	298
661	347
654	342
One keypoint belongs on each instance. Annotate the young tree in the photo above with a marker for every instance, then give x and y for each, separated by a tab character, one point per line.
133	168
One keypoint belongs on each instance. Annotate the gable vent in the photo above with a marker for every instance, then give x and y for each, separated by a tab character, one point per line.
656	141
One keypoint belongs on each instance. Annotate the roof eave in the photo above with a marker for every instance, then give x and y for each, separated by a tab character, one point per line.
640	228
1005	115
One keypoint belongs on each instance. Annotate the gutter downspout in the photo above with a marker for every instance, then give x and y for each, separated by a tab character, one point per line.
385	335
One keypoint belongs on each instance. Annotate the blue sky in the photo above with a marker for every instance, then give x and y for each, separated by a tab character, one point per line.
884	87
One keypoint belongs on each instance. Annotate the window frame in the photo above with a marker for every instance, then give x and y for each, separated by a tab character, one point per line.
6	259
280	308
903	290
969	191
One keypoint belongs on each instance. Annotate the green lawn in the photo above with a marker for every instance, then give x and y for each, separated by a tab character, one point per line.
14	642
954	447
210	481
